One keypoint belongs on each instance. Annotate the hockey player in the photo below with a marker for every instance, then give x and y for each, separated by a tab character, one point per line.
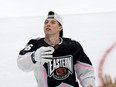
56	60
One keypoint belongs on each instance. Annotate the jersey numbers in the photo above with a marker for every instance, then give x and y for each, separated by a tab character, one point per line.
28	47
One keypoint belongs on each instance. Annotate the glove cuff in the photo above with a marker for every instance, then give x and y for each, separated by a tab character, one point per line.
32	58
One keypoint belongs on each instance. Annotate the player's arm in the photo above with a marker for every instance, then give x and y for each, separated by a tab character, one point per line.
82	66
25	61
32	56
84	70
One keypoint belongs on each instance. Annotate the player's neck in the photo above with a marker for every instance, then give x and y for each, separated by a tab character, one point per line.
52	40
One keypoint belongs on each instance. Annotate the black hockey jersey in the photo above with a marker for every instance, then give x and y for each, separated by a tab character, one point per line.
68	58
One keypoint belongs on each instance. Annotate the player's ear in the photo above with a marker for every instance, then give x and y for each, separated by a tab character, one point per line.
60	28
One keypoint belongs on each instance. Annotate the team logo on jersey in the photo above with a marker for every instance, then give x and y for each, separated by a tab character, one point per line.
60	67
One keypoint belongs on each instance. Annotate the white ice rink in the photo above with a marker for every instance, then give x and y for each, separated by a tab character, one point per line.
95	31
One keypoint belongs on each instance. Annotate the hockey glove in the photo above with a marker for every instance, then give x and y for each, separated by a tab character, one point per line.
43	53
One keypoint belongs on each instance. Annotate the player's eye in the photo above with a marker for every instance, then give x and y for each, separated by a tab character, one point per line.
53	22
46	22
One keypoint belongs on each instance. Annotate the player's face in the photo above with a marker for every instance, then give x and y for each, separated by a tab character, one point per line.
51	27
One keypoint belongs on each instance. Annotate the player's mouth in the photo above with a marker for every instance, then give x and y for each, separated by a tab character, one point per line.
48	29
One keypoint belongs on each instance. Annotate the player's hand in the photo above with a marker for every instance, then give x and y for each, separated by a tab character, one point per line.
43	53
108	82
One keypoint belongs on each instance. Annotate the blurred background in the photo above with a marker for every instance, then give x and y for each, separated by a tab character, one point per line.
91	22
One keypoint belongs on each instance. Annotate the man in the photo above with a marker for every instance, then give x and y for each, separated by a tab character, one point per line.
56	60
